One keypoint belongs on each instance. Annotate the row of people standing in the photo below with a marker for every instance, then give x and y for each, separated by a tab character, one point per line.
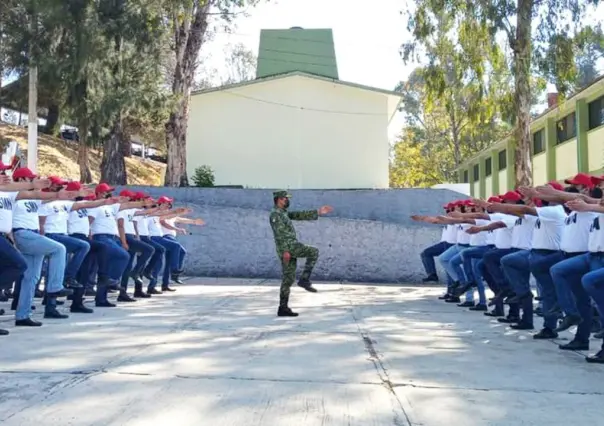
551	232
87	236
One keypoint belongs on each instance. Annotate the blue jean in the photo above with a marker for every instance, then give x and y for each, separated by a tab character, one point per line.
445	260
540	265
34	247
573	298
12	264
155	263
144	252
471	258
89	267
430	253
115	258
593	282
492	263
171	257
183	253
516	268
78	248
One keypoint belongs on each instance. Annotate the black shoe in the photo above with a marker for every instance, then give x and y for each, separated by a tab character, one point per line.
556	310
153	291
61	293
596	359
141	295
4	332
307	285
568	322
430	279
444	296
466	305
72	283
538	298
575	345
522	326
461	290
176	279
479	308
104	304
60	302
545	334
167	289
28	322
494	314
38	294
599	335
138	280
453	299
54	314
3	297
125	298
509	320
517	299
286	312
80	309
90	292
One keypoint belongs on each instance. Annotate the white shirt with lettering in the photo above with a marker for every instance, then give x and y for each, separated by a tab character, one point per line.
596	235
451	234
7	202
575	235
25	214
56	214
522	233
105	220
141	225
128	216
154	226
503	236
481	238
462	236
78	222
548	228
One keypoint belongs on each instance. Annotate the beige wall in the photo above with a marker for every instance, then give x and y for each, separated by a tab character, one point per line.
269	135
476	186
540	169
488	186
595	148
566	160
503	181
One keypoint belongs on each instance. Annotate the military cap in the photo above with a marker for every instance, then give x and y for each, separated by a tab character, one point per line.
281	194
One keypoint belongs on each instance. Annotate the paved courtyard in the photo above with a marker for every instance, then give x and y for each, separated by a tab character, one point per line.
365	355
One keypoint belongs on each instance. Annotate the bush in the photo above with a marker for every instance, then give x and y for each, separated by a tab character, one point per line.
204	177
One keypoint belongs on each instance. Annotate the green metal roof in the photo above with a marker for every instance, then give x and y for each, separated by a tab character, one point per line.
309	51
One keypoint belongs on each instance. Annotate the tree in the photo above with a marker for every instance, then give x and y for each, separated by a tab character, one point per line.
240	64
480	23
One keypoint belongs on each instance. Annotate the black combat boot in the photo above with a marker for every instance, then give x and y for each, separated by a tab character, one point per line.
306	285
285	311
138	291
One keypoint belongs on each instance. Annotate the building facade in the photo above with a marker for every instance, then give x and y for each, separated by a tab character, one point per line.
567	139
296	125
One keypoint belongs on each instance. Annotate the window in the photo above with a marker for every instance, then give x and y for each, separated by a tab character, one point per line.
476	173
539	142
488	167
503	159
465	177
596	113
567	128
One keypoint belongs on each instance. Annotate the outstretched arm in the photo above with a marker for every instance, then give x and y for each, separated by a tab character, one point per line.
582	206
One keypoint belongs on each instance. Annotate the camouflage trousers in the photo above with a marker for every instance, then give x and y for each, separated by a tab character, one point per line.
298	251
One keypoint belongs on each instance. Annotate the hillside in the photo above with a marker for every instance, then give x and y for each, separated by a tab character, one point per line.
60	157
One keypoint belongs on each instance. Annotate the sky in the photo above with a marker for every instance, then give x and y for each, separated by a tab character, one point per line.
367	39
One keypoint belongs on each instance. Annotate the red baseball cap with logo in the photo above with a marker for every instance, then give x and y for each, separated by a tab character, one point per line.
5	166
556	185
511	196
164	200
596	180
73	186
23	173
103	187
580	179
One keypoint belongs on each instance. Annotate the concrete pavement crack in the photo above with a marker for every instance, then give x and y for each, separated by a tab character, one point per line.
535	391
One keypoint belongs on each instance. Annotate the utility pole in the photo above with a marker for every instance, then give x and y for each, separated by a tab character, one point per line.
32	113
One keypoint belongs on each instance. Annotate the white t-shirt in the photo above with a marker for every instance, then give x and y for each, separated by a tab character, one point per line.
141	225
575	234
78	223
154	226
128	216
548	228
105	220
596	234
522	233
57	214
462	236
25	214
7	202
503	236
451	236
166	231
443	235
480	239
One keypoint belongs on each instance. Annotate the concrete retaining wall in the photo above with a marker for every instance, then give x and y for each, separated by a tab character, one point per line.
369	236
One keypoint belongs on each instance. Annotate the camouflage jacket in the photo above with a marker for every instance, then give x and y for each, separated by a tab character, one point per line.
283	228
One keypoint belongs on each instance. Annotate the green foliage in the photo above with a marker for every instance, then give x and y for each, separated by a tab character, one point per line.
203	177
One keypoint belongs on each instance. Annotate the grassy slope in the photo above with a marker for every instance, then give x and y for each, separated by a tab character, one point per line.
60	158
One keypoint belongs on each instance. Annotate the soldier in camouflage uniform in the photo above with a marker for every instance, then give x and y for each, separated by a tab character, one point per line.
289	249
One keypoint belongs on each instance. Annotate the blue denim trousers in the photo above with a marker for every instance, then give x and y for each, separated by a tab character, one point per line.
430	253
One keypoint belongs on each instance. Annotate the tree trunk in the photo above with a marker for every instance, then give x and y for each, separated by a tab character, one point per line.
52	121
188	42
522	95
113	166
83	161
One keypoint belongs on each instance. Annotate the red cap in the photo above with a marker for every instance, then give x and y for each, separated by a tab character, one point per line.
127	193
596	179
5	166
494	199
581	179
23	172
141	196
55	180
73	186
164	200
90	197
538	202
511	196
103	187
556	185
467	203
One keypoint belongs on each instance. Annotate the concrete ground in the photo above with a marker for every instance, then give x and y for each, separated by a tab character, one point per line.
214	354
